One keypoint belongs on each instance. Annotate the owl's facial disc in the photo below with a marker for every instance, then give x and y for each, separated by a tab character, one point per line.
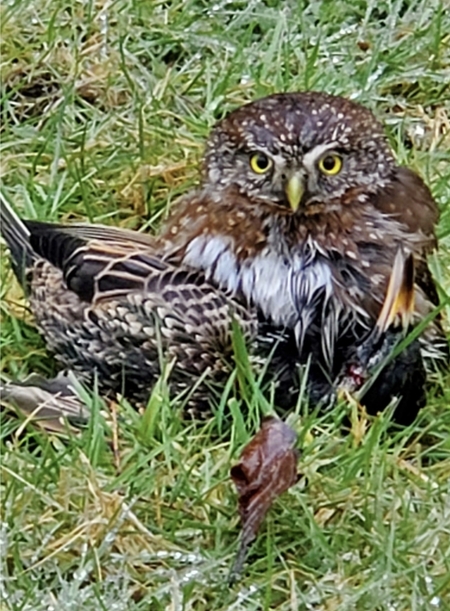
282	184
307	178
321	167
302	184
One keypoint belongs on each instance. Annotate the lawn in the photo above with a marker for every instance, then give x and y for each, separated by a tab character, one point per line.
105	107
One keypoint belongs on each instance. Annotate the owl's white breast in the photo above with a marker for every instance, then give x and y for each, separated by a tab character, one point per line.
281	285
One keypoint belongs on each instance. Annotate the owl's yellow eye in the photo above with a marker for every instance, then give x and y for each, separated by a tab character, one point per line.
330	164
260	163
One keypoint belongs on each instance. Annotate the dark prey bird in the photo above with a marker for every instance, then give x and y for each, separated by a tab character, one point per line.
372	371
109	307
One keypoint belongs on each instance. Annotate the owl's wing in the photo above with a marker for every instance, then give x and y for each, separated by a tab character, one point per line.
399	300
365	361
408	200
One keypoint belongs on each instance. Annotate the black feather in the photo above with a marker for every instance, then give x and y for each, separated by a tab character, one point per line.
17	237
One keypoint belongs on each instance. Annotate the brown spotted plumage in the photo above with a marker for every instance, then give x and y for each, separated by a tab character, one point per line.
293	231
110	308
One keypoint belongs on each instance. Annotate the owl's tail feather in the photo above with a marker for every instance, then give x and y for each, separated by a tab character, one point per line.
17	237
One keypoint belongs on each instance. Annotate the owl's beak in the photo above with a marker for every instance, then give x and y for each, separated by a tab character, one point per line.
294	191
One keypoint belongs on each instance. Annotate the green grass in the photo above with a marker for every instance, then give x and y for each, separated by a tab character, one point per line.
105	107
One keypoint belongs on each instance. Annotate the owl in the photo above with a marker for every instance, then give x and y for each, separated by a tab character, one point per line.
293	233
301	213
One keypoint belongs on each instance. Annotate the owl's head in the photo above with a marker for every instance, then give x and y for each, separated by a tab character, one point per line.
299	149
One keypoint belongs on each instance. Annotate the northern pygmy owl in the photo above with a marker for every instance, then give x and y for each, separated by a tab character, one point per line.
301	212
